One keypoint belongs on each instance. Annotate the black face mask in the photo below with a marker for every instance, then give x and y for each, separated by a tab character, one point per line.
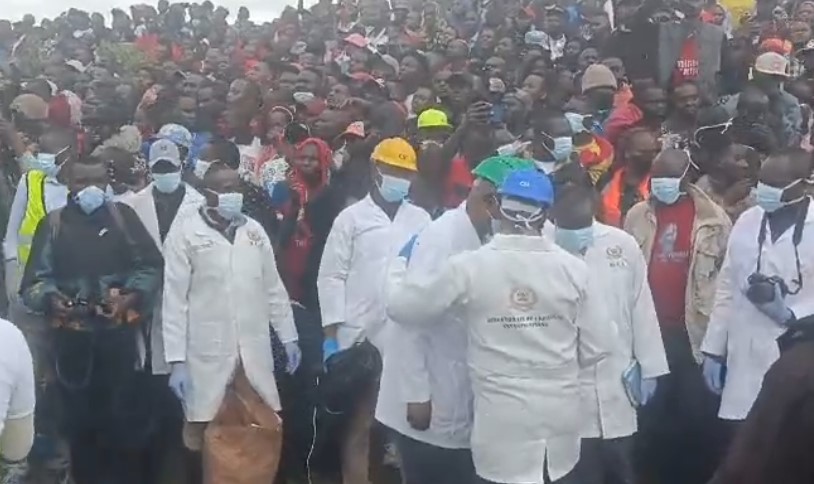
602	100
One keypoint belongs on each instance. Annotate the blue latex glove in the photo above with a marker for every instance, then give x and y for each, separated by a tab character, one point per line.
294	355
776	309
329	348
179	380
712	370
648	389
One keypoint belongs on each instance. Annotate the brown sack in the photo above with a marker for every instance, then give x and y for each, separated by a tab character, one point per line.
242	444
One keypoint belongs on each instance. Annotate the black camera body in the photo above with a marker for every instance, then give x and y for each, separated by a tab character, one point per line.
83	309
762	288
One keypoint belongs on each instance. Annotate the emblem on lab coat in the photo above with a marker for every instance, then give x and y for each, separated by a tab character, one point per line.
255	238
615	256
523	298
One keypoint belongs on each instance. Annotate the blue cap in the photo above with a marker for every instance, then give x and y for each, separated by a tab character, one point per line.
528	185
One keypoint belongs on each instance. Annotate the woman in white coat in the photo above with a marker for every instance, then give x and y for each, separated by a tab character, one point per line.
221	290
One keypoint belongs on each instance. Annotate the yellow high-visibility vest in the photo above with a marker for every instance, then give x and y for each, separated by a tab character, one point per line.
34	212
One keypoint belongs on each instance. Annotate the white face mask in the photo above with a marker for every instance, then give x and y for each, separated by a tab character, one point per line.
167	182
230	205
201	167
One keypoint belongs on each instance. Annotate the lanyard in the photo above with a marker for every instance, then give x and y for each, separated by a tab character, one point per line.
796	237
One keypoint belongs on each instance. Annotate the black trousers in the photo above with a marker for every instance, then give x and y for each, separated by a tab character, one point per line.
422	463
679	431
108	408
606	461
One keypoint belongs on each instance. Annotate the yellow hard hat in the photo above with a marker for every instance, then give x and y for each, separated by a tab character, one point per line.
395	152
433	118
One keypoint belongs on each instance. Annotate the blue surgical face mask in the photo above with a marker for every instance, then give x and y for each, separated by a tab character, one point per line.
167	182
666	190
393	189
563	146
28	162
47	163
770	198
575	241
230	205
90	199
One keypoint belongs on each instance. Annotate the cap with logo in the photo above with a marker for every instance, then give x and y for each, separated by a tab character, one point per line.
164	150
395	152
528	185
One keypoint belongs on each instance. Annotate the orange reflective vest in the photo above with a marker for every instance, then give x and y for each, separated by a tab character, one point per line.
612	195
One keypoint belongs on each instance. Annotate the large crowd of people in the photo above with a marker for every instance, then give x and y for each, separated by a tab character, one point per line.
427	242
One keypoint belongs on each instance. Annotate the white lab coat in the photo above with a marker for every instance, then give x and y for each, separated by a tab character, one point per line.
737	330
429	363
532	324
353	271
619	275
143	203
219	298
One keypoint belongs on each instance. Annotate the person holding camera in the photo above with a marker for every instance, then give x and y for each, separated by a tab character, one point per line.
93	272
762	292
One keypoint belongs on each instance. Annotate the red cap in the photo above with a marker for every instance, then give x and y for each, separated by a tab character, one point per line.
356	40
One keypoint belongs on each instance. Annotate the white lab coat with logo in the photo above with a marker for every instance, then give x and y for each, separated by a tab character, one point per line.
353	270
143	203
737	330
532	325
429	363
619	276
219	298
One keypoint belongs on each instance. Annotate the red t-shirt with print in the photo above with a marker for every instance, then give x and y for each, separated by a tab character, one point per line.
670	260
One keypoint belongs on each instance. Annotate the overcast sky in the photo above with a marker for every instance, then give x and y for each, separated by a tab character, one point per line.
15	9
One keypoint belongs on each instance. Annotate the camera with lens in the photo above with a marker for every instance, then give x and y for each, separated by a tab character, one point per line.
761	288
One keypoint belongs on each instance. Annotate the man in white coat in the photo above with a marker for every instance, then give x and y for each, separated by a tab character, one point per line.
221	291
528	337
158	206
762	287
425	394
626	379
352	275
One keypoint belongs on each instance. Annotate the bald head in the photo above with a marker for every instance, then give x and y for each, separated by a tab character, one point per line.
670	163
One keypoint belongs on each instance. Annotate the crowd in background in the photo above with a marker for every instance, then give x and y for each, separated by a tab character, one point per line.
302	140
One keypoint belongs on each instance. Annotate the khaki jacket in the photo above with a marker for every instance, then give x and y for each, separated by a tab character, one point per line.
710	234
